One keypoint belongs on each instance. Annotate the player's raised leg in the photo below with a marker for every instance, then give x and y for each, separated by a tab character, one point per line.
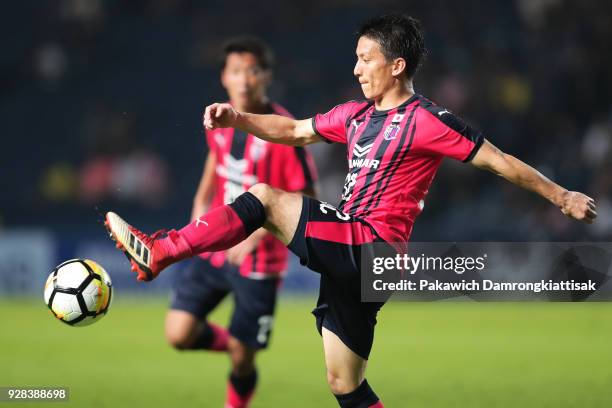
346	374
219	229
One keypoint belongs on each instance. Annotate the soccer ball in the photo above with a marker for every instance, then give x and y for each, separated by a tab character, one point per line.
78	292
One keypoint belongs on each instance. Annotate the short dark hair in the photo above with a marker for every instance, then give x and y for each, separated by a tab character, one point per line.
262	51
399	36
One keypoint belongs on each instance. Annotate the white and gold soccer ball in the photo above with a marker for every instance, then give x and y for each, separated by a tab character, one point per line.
78	292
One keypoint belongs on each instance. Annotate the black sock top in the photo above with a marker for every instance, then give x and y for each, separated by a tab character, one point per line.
362	397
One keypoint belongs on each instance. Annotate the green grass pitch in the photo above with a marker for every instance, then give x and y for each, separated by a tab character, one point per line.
425	355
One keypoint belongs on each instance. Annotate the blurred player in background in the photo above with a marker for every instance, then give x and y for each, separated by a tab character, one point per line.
396	140
252	270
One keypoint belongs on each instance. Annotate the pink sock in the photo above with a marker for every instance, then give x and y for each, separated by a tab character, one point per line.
219	229
235	400
220	337
377	405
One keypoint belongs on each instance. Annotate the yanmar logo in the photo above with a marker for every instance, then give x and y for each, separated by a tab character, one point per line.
359	159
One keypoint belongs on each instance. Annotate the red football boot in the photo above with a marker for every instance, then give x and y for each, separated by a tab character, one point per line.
148	254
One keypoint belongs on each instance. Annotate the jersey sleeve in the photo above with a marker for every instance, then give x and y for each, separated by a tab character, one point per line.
331	126
447	135
299	170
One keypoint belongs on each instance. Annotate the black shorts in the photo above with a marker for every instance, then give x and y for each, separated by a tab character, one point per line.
199	288
330	242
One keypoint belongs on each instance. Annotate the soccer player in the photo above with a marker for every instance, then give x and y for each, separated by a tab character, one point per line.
395	140
252	270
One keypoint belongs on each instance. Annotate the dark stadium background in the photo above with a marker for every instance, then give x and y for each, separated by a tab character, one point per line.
101	101
83	82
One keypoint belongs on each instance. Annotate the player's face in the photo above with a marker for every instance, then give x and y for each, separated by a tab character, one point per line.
372	69
244	80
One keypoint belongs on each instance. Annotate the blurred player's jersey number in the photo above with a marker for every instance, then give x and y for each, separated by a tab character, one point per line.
265	325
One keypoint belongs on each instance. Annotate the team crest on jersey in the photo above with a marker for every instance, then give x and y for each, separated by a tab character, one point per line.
391	131
257	149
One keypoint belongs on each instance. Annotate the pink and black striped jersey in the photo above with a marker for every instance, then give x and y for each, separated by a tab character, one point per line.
242	161
393	156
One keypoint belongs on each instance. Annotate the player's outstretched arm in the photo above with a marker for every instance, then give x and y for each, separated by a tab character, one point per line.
273	128
572	203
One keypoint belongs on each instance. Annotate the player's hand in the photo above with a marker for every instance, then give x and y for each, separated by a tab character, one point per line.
219	115
578	206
